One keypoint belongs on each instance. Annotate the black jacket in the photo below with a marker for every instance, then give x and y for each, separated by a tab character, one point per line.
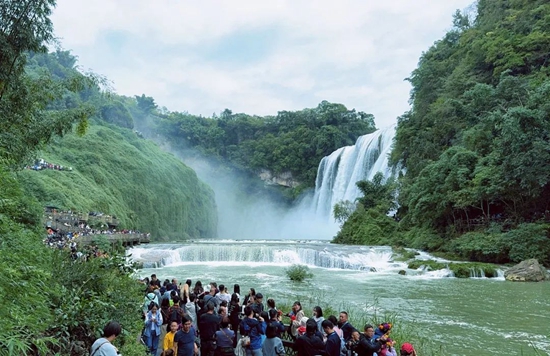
309	345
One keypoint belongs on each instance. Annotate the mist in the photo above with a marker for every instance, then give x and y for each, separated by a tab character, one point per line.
246	208
262	214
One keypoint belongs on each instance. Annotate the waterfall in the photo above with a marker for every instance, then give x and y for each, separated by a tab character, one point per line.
338	172
361	258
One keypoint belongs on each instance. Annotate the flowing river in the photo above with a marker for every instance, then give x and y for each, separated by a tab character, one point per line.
475	316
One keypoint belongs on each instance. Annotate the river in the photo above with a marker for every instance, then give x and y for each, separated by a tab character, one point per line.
475	316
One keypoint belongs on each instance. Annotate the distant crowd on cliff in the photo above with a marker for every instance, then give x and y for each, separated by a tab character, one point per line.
41	164
183	320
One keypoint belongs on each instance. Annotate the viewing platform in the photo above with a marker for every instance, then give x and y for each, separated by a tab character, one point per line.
126	239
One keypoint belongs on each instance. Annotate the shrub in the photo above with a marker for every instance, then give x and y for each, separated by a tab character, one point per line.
529	241
298	273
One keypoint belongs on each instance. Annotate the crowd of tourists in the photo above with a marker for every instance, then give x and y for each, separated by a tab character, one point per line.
186	320
41	164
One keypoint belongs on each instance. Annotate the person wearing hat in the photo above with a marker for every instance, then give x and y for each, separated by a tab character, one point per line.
407	349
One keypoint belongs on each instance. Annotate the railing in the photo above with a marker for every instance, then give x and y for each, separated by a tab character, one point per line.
288	342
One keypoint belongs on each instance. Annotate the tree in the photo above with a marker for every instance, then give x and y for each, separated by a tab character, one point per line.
146	103
25	97
342	211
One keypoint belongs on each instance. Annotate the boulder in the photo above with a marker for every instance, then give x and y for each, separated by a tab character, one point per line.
526	271
402	272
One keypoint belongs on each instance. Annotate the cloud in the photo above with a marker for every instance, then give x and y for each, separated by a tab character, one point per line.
257	57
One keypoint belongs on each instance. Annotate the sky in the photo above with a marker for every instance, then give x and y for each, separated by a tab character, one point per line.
257	57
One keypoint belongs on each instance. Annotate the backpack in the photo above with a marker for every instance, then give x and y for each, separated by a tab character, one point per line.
175	314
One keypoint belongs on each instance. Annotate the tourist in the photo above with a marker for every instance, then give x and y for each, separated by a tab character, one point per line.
165	312
210	298
149	298
368	345
271	304
185	291
185	339
153	322
333	343
273	345
309	344
103	346
346	327
275	320
249	299
154	281
353	344
192	309
334	322
295	316
223	295
176	313
257	305
318	317
234	315
168	341
198	290
407	349
209	323
253	328
224	340
237	291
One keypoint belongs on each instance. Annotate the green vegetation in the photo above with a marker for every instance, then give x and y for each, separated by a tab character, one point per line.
56	305
476	144
117	172
298	273
291	142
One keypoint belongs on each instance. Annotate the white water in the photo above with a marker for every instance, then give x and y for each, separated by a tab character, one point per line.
276	253
472	316
339	172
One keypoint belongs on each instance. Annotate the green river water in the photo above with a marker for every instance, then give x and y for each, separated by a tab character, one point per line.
475	316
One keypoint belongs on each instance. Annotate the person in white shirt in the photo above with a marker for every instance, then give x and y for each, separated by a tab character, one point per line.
103	346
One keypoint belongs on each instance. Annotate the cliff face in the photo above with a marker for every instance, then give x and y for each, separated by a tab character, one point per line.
284	179
116	172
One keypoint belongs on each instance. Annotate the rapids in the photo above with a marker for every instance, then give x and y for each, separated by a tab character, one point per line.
475	316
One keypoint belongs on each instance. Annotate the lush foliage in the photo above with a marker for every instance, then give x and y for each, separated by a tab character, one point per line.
55	305
298	273
369	224
291	142
117	172
476	144
25	96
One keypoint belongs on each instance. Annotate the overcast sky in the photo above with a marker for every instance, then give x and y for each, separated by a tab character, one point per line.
257	56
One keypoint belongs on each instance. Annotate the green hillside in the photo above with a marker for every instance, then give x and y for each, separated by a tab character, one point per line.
476	144
117	172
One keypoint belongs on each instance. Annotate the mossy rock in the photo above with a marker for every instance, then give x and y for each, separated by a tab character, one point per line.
460	270
403	254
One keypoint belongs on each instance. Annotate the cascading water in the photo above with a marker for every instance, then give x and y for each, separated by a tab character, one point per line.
373	259
338	172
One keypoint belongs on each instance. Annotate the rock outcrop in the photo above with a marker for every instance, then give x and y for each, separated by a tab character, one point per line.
284	179
527	271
